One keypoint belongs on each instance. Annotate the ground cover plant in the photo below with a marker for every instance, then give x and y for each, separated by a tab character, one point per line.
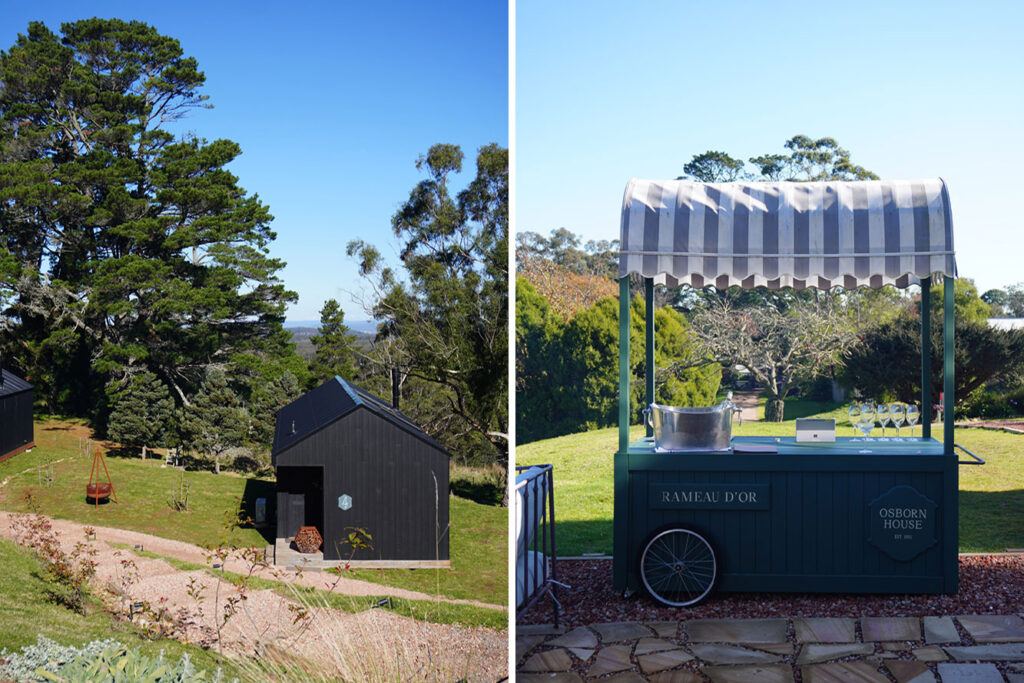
991	496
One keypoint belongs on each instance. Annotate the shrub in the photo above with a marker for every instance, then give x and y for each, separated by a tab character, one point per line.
484	485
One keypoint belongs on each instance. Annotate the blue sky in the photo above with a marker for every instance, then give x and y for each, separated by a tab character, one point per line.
331	102
608	91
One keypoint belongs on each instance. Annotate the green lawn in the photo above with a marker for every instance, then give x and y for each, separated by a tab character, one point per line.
991	496
26	611
478	545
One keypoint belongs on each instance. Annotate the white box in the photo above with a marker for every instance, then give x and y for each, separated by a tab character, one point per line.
815	429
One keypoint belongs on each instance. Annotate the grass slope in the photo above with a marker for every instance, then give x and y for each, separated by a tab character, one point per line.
26	611
478	549
991	496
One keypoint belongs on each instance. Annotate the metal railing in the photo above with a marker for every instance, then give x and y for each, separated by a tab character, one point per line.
536	566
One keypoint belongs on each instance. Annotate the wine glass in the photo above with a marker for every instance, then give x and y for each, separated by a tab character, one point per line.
854	414
913	415
867	418
898	414
883	416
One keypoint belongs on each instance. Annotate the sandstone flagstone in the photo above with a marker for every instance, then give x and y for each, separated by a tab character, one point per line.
578	637
930	653
890	628
940	630
552	660
678	676
583	653
730	654
765	673
824	630
564	677
659	661
843	672
628	677
996	652
663	629
775	648
736	630
910	672
626	630
648	645
992	628
969	673
524	644
813	653
610	660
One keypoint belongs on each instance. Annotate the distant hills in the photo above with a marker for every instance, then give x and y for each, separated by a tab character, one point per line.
302	330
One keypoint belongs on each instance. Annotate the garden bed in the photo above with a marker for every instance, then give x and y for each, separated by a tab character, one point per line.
989	584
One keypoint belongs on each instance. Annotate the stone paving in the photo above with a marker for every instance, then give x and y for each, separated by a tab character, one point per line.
941	649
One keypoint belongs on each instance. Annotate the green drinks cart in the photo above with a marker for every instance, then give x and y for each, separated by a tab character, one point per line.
766	514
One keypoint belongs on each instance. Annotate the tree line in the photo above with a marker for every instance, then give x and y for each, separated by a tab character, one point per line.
137	287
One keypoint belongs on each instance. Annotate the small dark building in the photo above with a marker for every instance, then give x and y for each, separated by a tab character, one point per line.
16	428
345	458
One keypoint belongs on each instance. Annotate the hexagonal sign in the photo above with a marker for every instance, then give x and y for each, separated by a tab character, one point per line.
345	501
902	523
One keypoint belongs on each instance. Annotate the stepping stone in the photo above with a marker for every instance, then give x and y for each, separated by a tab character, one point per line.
985	628
931	653
537	629
776	648
664	629
890	628
582	652
578	637
1014	677
681	676
730	654
1007	652
625	630
768	673
843	672
552	660
969	673
736	630
526	643
628	677
825	630
610	660
895	647
813	653
659	661
548	678
646	646
910	672
940	630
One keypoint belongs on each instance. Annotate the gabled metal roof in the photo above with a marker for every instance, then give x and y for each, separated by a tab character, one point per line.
331	401
12	384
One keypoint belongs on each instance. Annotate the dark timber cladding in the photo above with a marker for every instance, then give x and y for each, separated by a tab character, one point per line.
345	459
16	428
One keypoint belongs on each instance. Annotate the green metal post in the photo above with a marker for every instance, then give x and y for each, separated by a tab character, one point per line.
947	371
926	358
623	364
649	368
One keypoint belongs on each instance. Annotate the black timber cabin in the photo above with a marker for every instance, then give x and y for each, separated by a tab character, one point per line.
344	458
16	428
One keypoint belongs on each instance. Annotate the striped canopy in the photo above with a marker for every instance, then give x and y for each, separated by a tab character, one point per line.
786	234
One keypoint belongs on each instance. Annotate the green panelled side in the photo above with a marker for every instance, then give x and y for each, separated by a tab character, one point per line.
814	535
948	385
623	364
926	358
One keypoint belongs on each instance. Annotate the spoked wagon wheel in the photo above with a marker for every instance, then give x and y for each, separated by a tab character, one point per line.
678	567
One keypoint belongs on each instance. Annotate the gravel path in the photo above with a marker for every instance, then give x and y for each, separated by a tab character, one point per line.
370	645
989	584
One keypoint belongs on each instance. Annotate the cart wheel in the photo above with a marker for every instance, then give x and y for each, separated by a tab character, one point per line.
678	567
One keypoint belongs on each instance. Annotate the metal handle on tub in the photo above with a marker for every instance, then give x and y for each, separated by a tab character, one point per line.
647	417
976	461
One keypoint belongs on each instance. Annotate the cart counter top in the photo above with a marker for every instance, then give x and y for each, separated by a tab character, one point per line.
787	445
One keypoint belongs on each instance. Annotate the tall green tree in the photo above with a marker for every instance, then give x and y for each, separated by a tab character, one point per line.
216	420
449	317
123	248
335	346
142	411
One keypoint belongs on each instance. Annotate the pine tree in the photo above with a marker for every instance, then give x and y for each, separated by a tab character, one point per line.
335	347
216	420
142	411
